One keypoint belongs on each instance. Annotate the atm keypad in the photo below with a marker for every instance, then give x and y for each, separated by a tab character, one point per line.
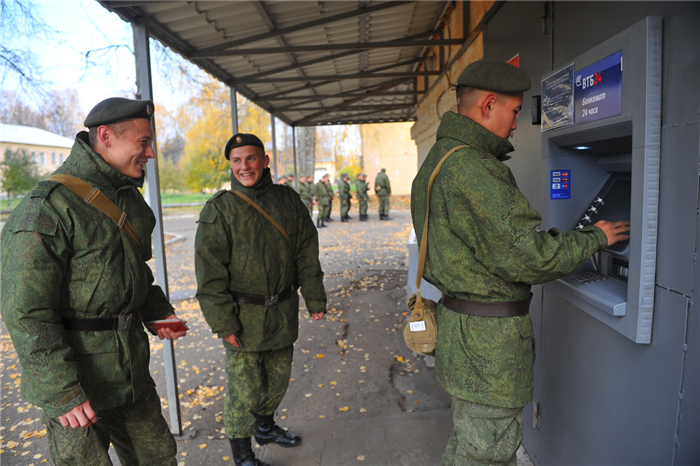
592	210
587	277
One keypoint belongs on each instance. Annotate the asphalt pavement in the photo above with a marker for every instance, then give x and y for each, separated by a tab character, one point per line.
357	395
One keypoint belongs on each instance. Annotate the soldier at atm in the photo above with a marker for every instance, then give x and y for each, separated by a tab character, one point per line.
248	272
344	196
362	187
76	290
382	186
485	253
323	199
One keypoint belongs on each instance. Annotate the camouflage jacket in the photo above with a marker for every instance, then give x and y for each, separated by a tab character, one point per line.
382	185
64	258
361	188
321	193
237	249
483	246
305	194
343	190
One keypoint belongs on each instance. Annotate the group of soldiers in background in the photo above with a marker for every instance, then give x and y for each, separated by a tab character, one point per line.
322	194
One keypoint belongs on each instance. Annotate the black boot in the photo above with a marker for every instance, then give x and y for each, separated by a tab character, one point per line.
320	224
363	218
343	219
243	453
266	431
386	217
348	217
329	219
381	216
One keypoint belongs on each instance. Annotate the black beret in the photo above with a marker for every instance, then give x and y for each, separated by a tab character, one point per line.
116	109
242	139
494	75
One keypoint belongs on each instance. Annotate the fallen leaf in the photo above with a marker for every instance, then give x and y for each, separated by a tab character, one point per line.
344	408
308	395
184	453
409	391
226	458
203	446
363	410
361	458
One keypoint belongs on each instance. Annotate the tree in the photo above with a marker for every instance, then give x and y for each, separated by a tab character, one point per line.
306	149
14	111
61	113
170	175
18	173
339	144
207	120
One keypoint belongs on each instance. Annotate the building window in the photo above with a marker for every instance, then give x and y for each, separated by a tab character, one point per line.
42	156
61	157
54	160
34	157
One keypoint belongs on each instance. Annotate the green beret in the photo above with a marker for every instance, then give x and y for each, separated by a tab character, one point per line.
116	109
494	75
242	139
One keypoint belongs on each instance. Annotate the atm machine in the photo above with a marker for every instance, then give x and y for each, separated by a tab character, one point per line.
601	123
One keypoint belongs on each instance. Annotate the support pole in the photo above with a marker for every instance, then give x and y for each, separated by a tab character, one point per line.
152	188
274	147
234	111
294	146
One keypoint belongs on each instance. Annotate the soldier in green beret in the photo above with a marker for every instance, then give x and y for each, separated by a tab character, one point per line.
248	266
282	180
306	194
311	189
484	254
382	187
362	187
323	199
344	196
76	291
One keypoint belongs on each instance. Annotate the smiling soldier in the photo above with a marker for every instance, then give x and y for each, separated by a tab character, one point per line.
76	290
484	253
255	245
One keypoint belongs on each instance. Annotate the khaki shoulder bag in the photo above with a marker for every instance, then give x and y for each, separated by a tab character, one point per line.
420	332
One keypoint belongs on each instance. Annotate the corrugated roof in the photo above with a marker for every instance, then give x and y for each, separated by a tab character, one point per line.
307	62
28	135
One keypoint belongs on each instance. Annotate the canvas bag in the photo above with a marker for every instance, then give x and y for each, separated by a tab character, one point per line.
420	332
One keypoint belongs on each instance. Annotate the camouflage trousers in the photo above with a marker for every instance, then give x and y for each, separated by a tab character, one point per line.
257	383
310	206
384	204
323	211
137	430
363	207
344	207
483	435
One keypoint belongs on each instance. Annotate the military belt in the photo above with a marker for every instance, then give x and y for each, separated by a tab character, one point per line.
266	301
476	308
118	324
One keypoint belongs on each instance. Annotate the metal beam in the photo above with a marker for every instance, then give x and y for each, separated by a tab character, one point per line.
353	108
152	191
350	119
342	94
306	25
405	42
309	86
128	3
329	77
355	97
302	64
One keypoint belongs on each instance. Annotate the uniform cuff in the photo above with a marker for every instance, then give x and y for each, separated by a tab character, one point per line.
315	307
67	402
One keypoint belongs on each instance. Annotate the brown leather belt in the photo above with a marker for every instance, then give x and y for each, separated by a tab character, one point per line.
266	301
475	308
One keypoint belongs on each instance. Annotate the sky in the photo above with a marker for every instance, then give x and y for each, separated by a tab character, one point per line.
80	27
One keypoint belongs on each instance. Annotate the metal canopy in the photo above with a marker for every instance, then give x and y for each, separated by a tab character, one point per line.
307	62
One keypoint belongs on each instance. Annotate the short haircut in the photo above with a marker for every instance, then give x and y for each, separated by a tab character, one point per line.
118	129
467	96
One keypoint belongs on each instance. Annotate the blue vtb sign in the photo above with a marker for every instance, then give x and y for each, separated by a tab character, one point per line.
598	90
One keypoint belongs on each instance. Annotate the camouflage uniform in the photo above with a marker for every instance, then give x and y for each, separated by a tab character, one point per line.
382	186
64	258
344	196
306	195
239	250
331	196
483	246
323	199
362	196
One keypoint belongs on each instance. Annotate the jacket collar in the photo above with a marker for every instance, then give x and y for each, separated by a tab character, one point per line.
259	189
468	131
89	166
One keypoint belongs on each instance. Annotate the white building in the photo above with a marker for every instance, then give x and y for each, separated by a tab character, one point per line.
48	150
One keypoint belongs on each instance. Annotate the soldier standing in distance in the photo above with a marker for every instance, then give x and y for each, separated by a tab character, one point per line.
305	194
323	199
344	196
484	253
76	291
382	186
331	195
247	272
311	189
282	180
290	181
362	197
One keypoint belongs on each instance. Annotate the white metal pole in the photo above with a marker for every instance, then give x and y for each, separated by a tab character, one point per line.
152	188
234	111
274	147
294	145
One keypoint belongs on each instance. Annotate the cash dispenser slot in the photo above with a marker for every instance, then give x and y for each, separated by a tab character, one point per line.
602	282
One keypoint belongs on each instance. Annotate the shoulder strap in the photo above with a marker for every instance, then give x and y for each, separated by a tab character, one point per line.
265	214
98	200
424	239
